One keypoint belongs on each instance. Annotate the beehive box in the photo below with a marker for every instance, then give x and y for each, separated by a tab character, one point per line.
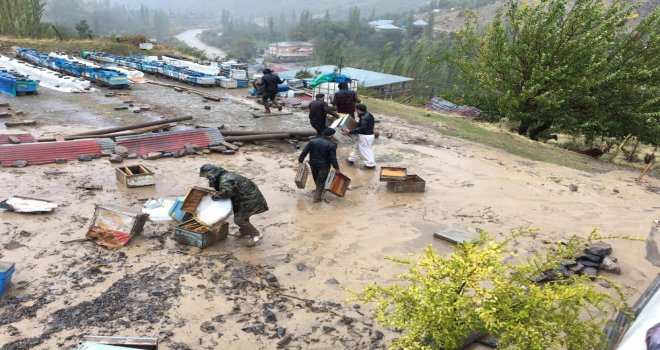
176	212
337	183
113	225
6	271
193	198
345	123
193	233
393	174
301	175
135	176
413	183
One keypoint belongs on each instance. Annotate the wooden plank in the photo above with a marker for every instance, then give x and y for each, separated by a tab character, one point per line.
229	146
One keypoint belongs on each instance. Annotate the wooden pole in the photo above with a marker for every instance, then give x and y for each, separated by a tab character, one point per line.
645	171
134	126
616	153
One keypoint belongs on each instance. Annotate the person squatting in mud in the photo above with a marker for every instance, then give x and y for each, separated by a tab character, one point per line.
322	154
246	199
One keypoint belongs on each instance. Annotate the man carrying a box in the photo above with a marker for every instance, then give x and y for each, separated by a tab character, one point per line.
322	154
345	99
365	132
246	199
271	82
318	113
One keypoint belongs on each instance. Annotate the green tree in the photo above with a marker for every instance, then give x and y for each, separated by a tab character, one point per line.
578	69
21	17
445	298
83	29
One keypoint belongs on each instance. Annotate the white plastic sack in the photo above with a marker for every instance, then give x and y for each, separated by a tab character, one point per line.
158	209
46	77
210	212
28	205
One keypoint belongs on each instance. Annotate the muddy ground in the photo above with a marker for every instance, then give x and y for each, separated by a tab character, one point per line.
291	288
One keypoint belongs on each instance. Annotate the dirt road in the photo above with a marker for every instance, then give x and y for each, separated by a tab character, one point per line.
234	297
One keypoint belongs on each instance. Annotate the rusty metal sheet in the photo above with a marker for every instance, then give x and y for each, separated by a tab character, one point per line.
25	138
170	141
47	152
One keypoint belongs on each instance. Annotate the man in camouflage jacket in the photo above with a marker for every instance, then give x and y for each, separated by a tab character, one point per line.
245	197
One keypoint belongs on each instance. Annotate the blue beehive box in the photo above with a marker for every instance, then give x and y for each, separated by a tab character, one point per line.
6	270
241	83
176	213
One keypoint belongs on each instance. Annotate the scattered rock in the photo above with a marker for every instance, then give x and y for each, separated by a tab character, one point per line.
573	188
137	111
588	263
20	163
154	155
577	268
329	329
610	265
281	331
346	320
615	191
207	107
238	144
61	160
85	158
377	335
206	151
270	316
13	245
122	108
189	149
284	341
121	150
218	149
116	159
131	156
592	257
229	151
599	248
256	329
106	153
270	278
199	153
590	272
332	281
301	266
207	327
179	154
14	140
569	264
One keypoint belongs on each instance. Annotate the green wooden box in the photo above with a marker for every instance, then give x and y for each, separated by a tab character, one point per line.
193	233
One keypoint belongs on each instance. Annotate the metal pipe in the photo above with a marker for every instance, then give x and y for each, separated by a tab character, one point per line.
134	126
292	133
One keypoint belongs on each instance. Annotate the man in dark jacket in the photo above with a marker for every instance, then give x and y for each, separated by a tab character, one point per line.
246	199
322	154
318	113
365	133
270	81
344	100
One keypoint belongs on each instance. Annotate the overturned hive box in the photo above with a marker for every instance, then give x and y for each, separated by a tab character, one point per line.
412	183
337	183
345	123
113	225
135	176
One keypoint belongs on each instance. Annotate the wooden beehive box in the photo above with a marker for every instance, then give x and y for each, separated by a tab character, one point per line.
135	176
337	183
393	174
113	225
193	233
301	175
413	183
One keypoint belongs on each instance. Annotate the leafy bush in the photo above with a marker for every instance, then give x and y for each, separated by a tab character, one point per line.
445	298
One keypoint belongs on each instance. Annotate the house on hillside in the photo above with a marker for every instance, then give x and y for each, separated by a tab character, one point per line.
385	27
380	22
385	85
420	23
291	51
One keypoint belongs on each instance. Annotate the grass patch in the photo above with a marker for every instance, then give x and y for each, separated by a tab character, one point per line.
487	134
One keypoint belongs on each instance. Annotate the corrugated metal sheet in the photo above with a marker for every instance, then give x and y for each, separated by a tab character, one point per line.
365	77
25	138
47	152
170	141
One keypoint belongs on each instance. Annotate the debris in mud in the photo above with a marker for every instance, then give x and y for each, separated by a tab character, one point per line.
27	205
